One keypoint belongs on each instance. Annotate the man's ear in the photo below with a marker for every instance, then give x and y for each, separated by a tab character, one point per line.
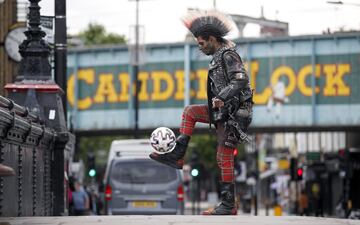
212	39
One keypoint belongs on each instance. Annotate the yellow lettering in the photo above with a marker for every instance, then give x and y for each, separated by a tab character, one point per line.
158	77
86	75
289	73
335	85
71	90
124	87
202	84
164	84
143	94
303	74
105	88
180	87
263	97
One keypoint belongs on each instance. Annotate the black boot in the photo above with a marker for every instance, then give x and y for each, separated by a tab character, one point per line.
175	158
227	205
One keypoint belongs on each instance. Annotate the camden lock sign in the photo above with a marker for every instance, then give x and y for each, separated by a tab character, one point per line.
101	87
289	91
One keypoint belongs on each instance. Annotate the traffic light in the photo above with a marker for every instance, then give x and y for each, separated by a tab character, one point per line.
91	164
196	166
235	152
92	172
293	169
300	172
194	172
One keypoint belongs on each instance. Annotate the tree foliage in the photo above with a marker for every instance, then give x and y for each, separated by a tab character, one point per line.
96	34
206	145
93	144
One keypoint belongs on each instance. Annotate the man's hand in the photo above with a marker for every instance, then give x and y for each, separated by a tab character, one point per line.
217	103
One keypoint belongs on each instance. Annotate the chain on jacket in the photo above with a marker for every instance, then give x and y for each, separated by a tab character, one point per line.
227	80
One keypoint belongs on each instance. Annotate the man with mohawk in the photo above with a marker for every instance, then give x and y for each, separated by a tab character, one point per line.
229	105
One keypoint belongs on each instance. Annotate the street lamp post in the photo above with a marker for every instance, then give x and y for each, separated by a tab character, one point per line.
135	61
136	72
34	66
60	50
35	89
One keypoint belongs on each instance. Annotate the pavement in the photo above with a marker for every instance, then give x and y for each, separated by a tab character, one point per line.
176	220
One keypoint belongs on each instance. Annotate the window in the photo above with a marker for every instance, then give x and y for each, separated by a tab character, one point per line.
141	171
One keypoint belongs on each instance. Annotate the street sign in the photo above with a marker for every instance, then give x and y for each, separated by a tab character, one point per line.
47	25
282	78
284	164
240	171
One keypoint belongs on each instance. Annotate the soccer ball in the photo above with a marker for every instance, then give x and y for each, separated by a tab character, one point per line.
163	140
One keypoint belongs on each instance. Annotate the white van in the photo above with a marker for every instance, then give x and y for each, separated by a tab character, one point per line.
135	184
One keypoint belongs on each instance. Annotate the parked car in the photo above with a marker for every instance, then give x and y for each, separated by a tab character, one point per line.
135	184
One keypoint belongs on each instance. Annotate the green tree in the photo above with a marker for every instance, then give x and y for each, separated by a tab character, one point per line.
205	145
93	144
96	34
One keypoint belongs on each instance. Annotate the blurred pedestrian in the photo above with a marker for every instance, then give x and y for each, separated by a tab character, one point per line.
80	199
317	199
71	189
6	171
229	105
303	204
70	201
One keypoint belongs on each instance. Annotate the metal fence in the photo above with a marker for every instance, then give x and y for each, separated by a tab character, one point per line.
30	148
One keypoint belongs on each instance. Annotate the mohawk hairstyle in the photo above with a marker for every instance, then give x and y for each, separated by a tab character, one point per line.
207	23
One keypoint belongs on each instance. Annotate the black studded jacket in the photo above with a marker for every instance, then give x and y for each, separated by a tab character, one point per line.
227	79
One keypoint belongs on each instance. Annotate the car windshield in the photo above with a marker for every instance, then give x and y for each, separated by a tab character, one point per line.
139	171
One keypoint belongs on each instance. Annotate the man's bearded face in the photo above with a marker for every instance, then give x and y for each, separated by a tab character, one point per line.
206	46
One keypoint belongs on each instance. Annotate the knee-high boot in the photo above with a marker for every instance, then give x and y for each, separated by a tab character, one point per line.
175	158
227	205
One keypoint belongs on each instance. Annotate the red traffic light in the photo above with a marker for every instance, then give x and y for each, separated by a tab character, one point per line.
300	172
342	152
235	152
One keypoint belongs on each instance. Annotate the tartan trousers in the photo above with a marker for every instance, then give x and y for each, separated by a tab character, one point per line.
225	150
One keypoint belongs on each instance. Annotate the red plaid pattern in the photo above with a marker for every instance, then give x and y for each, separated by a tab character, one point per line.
191	115
225	155
225	161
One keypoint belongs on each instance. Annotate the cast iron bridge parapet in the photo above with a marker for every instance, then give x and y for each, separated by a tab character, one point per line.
27	145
